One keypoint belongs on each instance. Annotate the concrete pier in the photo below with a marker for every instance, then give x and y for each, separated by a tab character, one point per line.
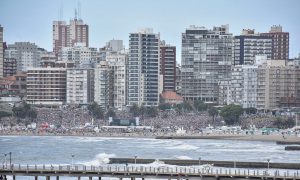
146	172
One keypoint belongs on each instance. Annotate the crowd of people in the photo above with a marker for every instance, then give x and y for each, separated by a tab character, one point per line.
79	121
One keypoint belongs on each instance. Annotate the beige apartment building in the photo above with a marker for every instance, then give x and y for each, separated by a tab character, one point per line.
277	86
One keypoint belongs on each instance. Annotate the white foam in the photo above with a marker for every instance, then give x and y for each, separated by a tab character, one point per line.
183	147
183	157
100	159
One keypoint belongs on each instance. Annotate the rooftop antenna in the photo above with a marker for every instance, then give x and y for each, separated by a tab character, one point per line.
79	9
61	11
75	14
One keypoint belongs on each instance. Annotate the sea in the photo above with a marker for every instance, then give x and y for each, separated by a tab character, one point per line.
65	150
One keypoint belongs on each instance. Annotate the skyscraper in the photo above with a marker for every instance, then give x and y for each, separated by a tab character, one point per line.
1	52
143	68
248	45
168	66
206	59
280	44
67	35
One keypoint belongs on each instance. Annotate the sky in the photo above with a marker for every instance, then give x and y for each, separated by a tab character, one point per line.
31	20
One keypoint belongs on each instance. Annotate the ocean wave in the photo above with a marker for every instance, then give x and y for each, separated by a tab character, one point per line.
182	157
100	159
183	147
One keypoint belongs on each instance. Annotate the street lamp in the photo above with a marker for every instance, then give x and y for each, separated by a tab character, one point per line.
5	162
199	161
268	164
72	159
135	159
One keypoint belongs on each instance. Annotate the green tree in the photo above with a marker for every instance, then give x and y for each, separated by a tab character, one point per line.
152	111
134	110
111	113
164	106
200	105
19	112
142	111
284	123
250	110
4	114
231	113
213	112
32	114
95	110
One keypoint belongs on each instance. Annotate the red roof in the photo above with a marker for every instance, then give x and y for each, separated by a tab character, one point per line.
171	95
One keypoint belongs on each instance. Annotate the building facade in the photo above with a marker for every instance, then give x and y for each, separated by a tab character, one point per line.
248	45
80	55
80	86
1	52
206	60
68	35
118	79
280	42
26	54
168	66
46	86
9	67
143	68
278	85
101	84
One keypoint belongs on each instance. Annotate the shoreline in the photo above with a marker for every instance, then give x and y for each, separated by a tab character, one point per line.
269	138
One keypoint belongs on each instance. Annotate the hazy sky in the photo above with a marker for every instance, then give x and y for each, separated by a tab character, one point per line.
31	20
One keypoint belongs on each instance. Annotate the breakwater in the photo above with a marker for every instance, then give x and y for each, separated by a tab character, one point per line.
230	164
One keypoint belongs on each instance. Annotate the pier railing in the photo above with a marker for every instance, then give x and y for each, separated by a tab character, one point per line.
136	170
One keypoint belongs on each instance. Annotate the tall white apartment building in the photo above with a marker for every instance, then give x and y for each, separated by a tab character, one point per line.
1	52
80	86
117	82
143	68
101	84
46	86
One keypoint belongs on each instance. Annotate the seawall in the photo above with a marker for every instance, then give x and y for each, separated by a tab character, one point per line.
232	164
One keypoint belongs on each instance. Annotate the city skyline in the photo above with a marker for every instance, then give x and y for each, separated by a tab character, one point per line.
169	19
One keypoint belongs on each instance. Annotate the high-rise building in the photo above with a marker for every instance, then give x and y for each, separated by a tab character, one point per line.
112	46
206	59
26	54
46	86
80	86
278	85
168	66
68	35
280	44
243	86
9	67
248	45
1	51
101	85
118	79
143	68
80	55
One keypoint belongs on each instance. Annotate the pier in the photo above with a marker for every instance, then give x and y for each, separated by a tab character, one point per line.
142	172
